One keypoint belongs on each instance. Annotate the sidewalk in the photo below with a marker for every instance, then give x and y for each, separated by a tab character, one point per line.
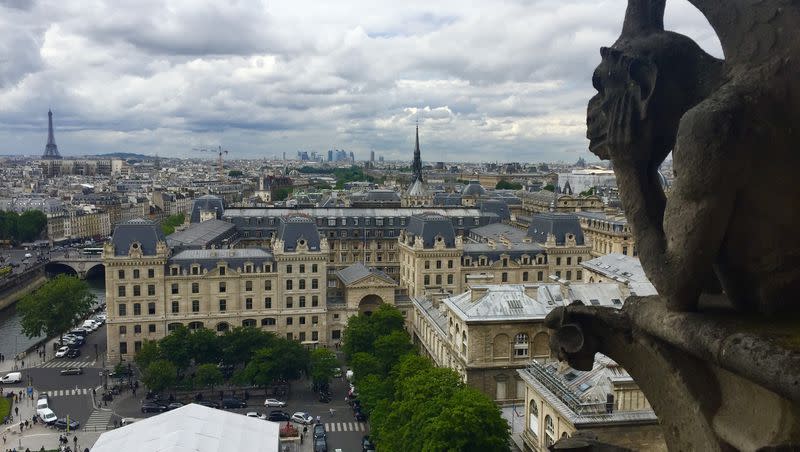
28	359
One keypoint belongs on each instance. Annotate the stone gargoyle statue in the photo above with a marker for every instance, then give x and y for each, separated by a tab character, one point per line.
730	225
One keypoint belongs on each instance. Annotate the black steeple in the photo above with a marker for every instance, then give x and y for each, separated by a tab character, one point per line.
416	166
50	150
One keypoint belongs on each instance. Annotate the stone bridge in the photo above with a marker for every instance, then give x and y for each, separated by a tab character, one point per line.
79	264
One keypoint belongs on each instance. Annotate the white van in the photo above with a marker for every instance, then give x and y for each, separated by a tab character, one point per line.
12	377
89	325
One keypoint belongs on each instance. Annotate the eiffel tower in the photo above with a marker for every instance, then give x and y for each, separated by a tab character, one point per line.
51	150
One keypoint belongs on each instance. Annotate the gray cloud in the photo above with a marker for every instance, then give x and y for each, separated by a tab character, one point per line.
488	80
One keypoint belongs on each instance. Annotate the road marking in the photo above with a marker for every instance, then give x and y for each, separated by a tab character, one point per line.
98	420
69	392
65	364
345	427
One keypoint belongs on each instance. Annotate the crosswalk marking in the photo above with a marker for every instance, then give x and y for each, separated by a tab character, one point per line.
65	364
345	427
69	392
98	420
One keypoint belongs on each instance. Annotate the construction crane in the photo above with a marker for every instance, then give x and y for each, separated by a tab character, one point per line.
219	151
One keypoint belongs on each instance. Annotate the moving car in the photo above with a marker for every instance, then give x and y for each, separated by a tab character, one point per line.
72	371
367	445
319	431
320	444
61	424
233	403
47	416
11	377
151	407
302	418
72	353
274	403
62	351
256	414
278	416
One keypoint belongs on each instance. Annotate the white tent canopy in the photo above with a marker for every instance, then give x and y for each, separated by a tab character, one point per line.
193	428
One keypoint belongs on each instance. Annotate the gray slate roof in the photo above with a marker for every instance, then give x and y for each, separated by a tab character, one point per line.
207	202
501	302
556	223
429	226
474	188
146	232
296	227
202	234
359	271
234	258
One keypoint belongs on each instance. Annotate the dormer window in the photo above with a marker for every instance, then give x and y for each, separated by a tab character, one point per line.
221	270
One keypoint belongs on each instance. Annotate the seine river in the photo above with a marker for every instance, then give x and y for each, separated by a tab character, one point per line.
12	341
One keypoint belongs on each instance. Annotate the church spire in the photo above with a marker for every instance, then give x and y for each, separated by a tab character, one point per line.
416	165
50	150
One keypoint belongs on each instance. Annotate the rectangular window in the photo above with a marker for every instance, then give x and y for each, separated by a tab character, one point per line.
195	287
524	276
558	261
288	268
336	334
248	303
173	271
195	305
121	291
151	273
151	328
314	336
268	303
438	264
569	261
301	302
314	319
151	289
427	265
222	271
137	291
301	284
579	275
302	337
174	288
223	305
302	268
222	287
137	329
314	301
248	286
289	320
315	284
450	279
302	320
151	308
195	270
137	347
427	280
314	268
540	276
123	348
504	277
268	284
121	274
137	309
175	307
558	274
136	273
122	309
288	284
289	336
123	329
450	263
438	280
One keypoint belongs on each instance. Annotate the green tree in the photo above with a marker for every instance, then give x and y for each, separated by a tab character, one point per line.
323	361
208	375
468	421
358	335
234	173
390	347
292	359
176	347
240	344
364	364
168	224
282	193
506	185
160	375
549	187
147	354
8	225
55	307
30	225
205	346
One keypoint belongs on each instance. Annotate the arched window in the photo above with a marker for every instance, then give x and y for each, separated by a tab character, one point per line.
541	345
533	418
174	326
463	342
269	321
500	346
249	322
222	327
521	345
195	325
549	431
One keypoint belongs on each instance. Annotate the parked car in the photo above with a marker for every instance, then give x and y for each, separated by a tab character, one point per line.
73	353
174	405
319	431
152	407
72	371
61	424
337	372
302	418
233	403
62	351
274	403
320	444
47	416
256	414
367	445
278	416
79	332
43	402
11	377
208	403
360	416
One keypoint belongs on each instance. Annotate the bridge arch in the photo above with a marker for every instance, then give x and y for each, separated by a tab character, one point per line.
97	270
58	268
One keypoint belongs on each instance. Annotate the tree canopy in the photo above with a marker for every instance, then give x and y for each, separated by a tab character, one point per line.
506	185
54	308
323	361
168	224
22	228
160	375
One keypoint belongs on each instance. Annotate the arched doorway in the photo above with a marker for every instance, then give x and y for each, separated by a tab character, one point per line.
369	304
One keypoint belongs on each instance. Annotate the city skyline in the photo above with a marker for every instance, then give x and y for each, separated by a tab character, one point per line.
487	82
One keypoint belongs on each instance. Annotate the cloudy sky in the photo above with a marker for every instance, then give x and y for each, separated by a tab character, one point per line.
488	80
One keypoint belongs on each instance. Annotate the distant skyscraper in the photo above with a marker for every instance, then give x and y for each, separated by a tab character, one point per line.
416	165
371	156
352	157
50	150
330	155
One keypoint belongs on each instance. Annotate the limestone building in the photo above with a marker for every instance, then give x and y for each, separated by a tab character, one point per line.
607	233
560	401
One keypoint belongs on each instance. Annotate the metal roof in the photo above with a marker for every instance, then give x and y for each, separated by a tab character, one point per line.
359	271
500	302
145	232
200	234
